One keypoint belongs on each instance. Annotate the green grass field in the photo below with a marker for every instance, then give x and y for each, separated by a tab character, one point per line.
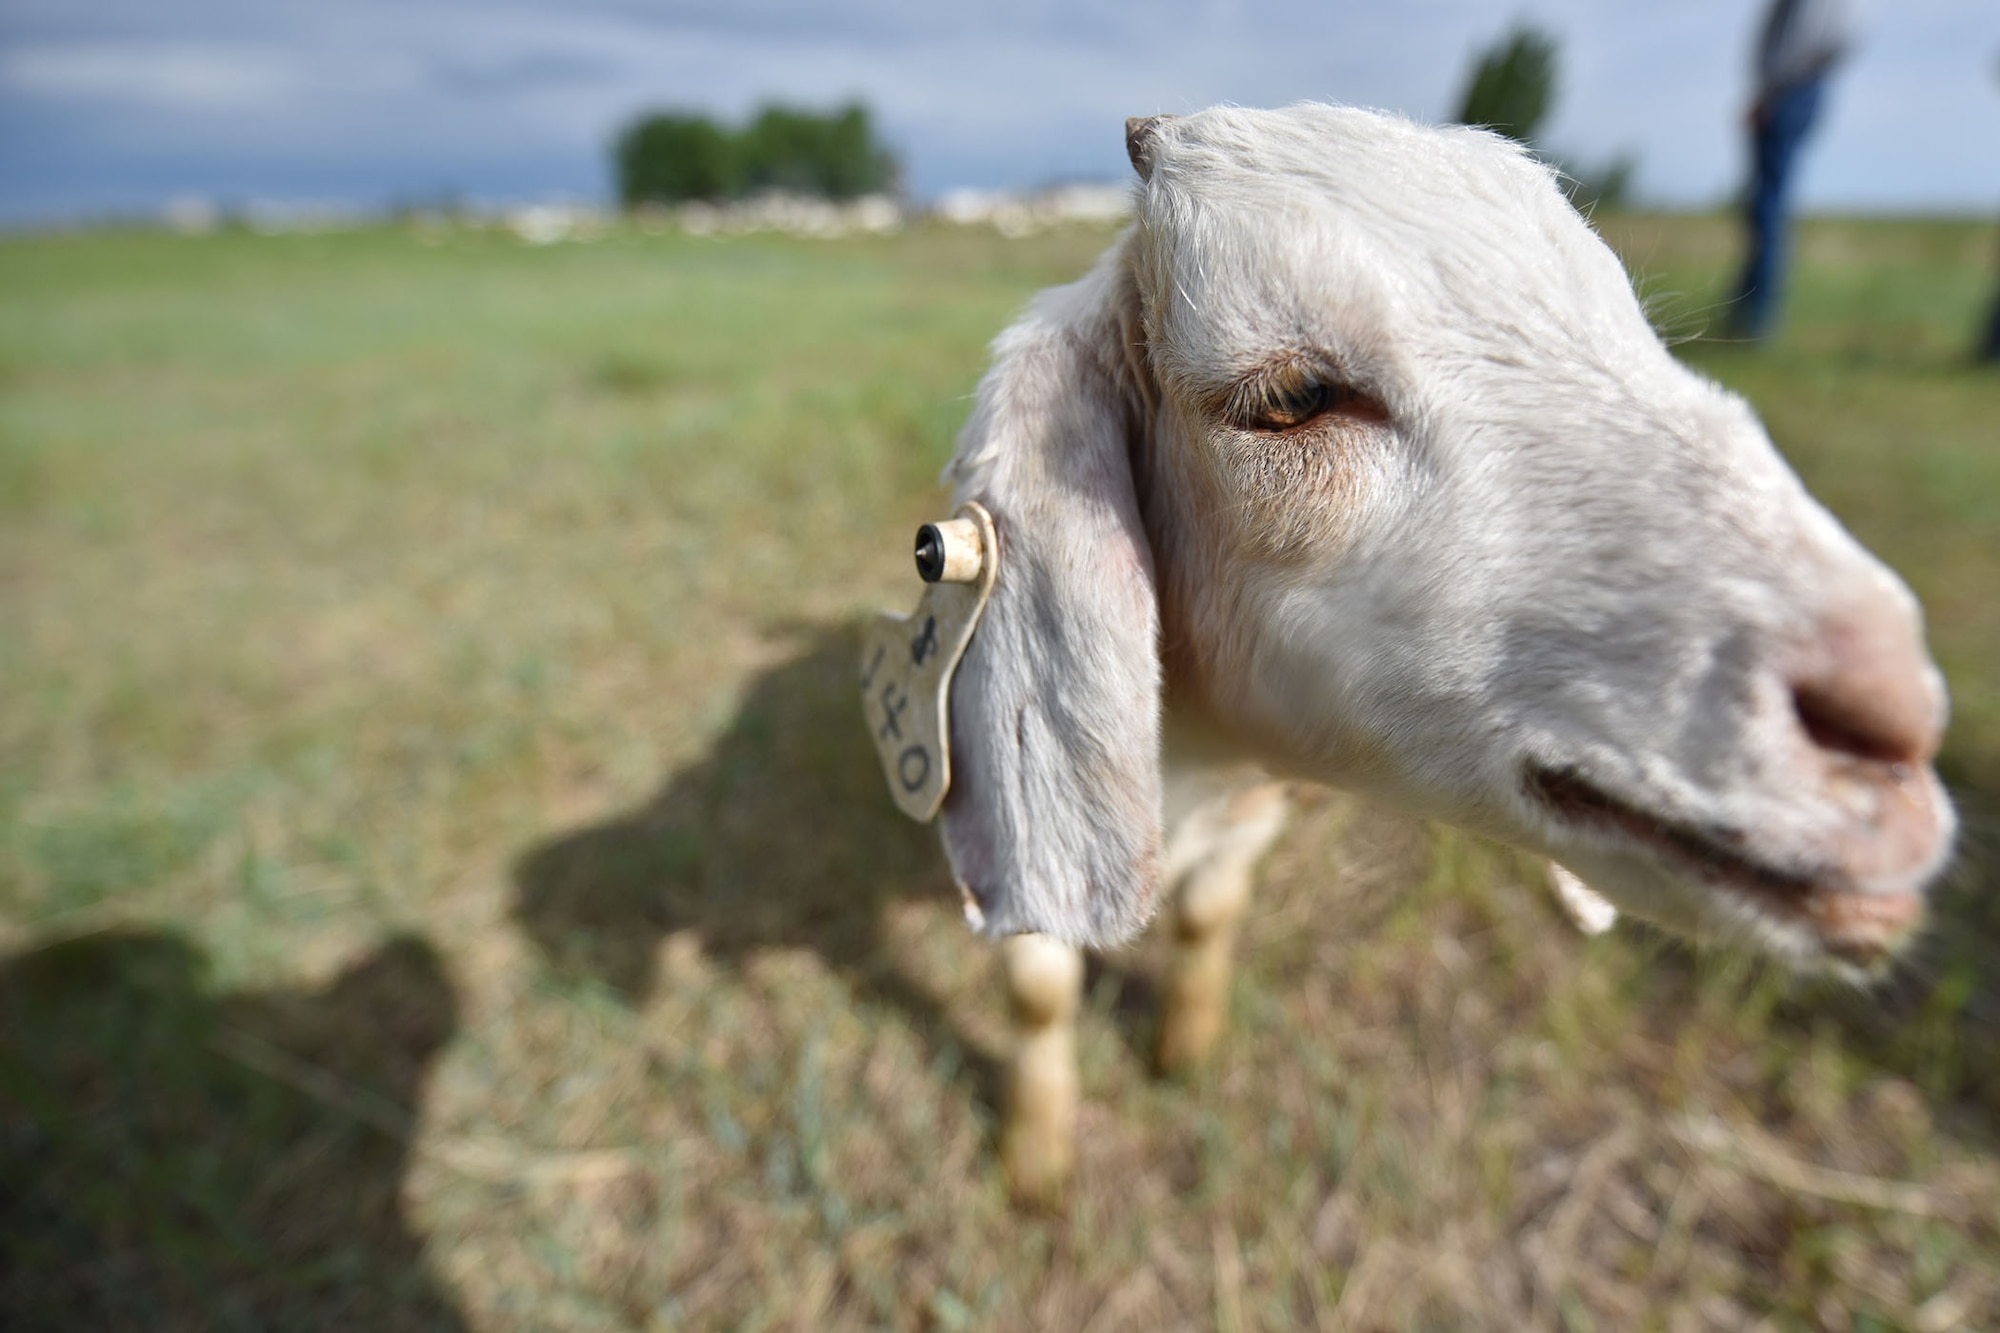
444	883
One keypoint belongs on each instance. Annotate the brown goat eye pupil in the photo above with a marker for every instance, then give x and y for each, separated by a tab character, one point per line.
1289	405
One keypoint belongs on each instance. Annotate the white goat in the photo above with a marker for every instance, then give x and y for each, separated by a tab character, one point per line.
1355	459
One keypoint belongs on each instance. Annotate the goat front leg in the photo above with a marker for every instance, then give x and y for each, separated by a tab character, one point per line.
1038	1128
1217	851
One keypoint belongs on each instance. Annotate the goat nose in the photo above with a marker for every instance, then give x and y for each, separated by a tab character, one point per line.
1867	688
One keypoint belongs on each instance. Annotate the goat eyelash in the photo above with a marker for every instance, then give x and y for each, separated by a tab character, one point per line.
1289	400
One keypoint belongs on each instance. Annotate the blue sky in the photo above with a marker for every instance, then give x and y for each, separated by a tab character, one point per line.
120	104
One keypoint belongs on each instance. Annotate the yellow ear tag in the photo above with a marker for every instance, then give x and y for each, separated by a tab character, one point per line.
906	663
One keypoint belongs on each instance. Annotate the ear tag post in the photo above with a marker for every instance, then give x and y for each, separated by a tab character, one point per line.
907	662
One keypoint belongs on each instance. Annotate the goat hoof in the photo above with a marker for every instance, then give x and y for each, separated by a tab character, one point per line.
1037	1167
1185	1043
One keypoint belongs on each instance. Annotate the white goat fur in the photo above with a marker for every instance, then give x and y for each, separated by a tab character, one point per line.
1547	548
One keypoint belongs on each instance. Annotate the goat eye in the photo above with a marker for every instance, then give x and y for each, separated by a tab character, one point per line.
1290	395
1280	406
1291	405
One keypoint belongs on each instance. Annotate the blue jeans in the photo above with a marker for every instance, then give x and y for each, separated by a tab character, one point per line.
1989	347
1788	119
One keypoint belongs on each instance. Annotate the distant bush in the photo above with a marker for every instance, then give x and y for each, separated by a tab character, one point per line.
1512	85
669	158
834	155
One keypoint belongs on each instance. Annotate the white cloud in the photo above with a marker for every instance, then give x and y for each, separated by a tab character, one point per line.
164	76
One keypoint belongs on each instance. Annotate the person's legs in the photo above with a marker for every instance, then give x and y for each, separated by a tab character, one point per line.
1777	144
1989	348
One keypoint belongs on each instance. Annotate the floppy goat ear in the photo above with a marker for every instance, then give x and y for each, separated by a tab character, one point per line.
1053	820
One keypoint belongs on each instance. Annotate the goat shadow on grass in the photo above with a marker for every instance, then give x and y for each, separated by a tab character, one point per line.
172	1158
783	836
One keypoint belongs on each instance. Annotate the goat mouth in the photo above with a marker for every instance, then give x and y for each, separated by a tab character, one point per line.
1850	923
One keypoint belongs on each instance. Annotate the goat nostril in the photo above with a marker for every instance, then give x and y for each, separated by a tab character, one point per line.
1860	725
1866	689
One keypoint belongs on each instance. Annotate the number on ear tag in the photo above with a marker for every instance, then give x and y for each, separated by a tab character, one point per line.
907	662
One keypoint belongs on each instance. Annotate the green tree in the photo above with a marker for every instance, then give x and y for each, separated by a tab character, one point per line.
669	158
664	158
1512	84
803	153
855	163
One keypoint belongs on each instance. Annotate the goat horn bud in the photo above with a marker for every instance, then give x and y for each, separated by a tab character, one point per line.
1140	133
